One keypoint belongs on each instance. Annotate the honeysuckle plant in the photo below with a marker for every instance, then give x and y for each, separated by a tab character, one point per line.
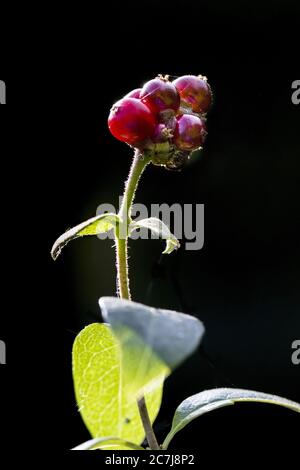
119	367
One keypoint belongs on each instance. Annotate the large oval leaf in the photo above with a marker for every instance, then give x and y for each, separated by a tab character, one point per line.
107	406
209	400
168	335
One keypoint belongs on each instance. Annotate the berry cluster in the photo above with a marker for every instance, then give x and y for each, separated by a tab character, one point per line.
165	118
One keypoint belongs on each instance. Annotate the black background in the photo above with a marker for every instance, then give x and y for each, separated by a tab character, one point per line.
59	163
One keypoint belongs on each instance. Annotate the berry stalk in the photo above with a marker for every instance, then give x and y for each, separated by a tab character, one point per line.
138	166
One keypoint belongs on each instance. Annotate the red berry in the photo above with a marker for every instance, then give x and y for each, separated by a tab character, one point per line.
159	94
194	92
131	121
134	93
190	132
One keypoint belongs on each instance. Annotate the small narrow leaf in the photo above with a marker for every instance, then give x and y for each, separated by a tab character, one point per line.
105	398
209	400
108	443
160	229
94	226
170	335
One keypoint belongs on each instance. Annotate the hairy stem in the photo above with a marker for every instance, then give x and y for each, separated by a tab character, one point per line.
138	165
122	268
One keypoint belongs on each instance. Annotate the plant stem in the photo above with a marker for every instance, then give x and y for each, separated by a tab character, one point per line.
138	165
151	438
122	268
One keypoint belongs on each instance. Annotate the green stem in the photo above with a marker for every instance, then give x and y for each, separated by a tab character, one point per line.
138	165
122	268
151	438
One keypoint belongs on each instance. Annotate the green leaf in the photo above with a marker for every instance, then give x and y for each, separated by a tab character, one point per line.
115	365
145	331
159	229
94	226
108	443
210	400
106	400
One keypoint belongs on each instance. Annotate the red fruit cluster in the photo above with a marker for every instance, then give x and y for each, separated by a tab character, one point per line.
166	118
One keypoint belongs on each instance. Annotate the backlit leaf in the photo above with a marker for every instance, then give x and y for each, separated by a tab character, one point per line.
99	224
